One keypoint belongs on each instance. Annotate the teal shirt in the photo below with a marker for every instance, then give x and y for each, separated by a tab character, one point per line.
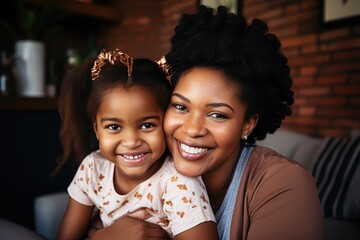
225	212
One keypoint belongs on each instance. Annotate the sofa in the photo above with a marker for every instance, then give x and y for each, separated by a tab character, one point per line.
334	163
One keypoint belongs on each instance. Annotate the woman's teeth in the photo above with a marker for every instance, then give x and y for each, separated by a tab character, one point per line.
192	150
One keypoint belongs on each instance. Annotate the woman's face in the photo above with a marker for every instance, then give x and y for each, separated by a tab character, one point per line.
205	123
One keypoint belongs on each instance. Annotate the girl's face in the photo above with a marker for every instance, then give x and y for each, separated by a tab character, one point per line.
130	133
205	123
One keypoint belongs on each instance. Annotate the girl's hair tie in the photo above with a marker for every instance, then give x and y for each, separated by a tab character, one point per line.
111	57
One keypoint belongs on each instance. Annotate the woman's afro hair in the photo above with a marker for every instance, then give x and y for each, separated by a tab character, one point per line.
246	53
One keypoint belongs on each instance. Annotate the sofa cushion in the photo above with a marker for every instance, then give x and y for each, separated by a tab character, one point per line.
336	170
49	210
341	229
355	132
12	230
293	145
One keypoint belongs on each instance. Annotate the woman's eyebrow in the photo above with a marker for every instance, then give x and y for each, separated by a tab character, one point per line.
210	104
220	105
181	97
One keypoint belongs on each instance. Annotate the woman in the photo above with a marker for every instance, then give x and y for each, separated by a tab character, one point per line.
232	87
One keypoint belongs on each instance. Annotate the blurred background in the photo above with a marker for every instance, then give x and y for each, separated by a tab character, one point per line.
323	52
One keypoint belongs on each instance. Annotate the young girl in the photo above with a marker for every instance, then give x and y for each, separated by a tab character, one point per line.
121	102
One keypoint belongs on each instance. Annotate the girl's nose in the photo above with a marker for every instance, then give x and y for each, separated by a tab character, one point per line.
131	139
194	126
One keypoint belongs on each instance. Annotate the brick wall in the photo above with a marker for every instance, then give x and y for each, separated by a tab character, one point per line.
325	64
145	27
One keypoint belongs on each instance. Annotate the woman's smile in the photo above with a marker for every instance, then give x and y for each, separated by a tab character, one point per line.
191	153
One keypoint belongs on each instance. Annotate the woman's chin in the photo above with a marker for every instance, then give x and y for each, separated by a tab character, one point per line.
188	169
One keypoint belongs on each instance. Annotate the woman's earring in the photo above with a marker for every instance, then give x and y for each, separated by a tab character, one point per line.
244	137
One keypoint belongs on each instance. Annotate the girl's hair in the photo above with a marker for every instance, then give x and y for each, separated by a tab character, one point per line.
80	98
246	53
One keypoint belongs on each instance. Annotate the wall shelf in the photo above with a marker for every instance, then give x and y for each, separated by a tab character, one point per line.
100	14
28	104
99	11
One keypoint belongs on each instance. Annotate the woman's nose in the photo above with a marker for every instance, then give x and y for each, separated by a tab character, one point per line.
194	126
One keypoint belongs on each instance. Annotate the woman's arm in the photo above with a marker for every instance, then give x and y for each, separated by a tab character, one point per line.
75	221
136	228
205	230
130	228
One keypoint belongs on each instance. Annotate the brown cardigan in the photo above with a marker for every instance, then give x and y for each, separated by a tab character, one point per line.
277	199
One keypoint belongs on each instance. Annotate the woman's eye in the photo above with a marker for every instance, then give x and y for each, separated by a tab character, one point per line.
113	127
179	107
147	125
218	116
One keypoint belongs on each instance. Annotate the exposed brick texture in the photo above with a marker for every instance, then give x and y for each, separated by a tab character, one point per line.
145	27
325	63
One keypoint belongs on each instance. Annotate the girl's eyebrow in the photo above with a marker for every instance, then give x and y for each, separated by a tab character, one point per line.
210	104
155	117
110	119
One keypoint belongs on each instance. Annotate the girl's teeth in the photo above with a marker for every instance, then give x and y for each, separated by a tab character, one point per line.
192	150
133	157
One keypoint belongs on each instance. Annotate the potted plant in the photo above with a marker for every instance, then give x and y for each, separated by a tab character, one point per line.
29	29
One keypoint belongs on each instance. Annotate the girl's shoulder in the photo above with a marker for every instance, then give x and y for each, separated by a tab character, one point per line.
95	162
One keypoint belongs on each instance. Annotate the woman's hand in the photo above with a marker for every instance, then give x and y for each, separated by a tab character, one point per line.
131	228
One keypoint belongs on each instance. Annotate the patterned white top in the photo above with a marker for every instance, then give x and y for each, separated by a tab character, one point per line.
177	203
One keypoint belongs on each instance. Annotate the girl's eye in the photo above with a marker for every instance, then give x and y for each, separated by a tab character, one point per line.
113	127
147	126
180	107
218	115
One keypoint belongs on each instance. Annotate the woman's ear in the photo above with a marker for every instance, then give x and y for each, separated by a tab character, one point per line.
249	125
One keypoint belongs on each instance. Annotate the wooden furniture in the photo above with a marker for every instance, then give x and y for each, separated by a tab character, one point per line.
99	11
28	104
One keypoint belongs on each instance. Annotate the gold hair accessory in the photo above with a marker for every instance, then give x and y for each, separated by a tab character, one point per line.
164	66
111	57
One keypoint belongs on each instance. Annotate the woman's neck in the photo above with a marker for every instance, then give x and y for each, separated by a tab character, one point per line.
218	181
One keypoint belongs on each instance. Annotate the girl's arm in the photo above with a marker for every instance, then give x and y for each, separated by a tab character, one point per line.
75	221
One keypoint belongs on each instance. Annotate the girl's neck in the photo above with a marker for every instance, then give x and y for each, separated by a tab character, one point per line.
124	185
